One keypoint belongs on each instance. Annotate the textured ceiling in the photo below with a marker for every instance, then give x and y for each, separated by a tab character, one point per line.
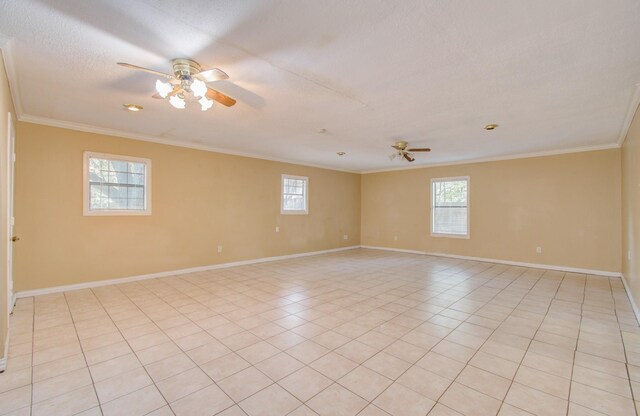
554	74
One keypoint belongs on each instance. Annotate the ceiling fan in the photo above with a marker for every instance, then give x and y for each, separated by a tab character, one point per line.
402	151
188	79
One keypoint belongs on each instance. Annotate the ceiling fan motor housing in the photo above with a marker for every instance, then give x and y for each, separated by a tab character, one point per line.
185	69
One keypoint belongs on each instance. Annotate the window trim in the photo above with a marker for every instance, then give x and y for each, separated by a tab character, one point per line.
431	198
86	194
304	211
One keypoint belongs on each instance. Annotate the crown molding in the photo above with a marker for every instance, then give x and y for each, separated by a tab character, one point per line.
500	158
631	112
6	45
169	142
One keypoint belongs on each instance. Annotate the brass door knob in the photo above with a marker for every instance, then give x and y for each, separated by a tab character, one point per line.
15	238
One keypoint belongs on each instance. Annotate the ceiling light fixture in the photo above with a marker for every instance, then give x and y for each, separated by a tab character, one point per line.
491	127
163	88
132	107
341	153
177	101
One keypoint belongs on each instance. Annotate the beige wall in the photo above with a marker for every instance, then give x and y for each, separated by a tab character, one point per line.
6	106
200	200
567	204
631	208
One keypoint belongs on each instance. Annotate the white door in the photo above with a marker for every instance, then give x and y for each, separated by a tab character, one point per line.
11	158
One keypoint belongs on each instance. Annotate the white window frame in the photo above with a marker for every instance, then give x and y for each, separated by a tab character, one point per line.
304	211
86	197
432	200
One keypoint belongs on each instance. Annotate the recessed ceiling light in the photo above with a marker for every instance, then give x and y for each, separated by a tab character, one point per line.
322	131
132	107
341	153
491	127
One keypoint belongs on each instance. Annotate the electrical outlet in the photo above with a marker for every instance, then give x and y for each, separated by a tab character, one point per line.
277	229
395	238
538	250
219	249
345	237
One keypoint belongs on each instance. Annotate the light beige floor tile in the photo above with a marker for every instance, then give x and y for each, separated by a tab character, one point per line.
61	384
303	411
365	383
208	352
441	365
600	400
279	366
468	401
495	365
274	400
258	352
336	400
430	385
535	401
67	404
122	384
208	401
140	402
15	399
387	365
333	365
400	400
305	383
224	366
243	384
441	410
183	384
12	379
356	351
540	380
168	367
307	351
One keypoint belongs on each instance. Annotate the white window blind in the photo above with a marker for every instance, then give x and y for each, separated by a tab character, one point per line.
450	206
116	185
294	195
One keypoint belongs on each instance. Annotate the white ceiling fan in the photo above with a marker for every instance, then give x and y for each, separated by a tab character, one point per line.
403	151
188	80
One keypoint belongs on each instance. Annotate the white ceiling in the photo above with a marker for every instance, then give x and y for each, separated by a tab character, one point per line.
554	74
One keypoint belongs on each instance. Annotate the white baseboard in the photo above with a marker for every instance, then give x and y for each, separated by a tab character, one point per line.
3	360
120	280
507	262
634	306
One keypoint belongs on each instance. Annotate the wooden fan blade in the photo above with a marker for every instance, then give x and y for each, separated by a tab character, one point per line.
220	97
151	71
409	158
424	149
176	90
213	74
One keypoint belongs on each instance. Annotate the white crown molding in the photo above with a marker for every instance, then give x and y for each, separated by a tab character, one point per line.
631	112
507	262
170	142
634	305
6	45
120	280
500	158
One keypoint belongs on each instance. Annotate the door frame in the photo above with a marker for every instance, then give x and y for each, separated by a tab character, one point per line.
9	171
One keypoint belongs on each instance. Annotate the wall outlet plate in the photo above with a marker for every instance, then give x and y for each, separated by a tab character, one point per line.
219	249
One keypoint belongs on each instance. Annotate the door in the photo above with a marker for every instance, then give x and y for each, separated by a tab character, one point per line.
11	158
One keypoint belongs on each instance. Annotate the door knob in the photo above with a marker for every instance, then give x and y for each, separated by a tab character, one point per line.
15	238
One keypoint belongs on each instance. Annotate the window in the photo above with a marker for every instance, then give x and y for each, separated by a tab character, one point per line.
450	207
295	198
116	185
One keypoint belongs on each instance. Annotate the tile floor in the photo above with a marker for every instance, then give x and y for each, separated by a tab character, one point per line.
361	332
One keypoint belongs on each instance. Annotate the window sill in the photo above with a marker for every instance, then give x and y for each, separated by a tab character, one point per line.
461	236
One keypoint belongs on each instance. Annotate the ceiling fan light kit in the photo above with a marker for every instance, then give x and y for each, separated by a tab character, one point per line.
188	81
404	152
